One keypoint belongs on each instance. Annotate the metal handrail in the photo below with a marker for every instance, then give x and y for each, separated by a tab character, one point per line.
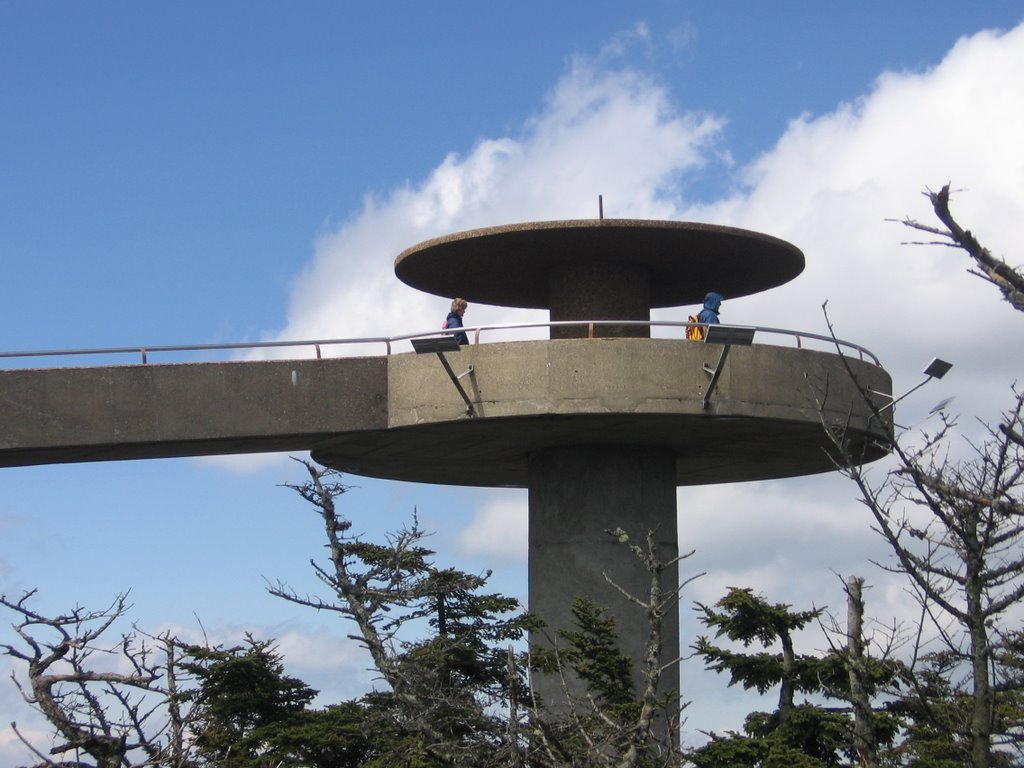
389	341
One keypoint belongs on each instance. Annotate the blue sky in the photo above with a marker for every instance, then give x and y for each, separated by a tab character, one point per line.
199	173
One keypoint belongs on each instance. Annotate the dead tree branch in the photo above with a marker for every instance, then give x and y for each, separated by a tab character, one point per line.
106	701
1007	279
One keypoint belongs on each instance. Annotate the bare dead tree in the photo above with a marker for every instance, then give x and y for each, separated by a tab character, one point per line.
956	527
364	596
1009	280
956	530
107	702
865	737
870	659
656	605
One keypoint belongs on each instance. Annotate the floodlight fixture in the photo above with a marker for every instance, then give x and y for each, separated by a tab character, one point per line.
936	369
727	336
440	345
435	344
741	335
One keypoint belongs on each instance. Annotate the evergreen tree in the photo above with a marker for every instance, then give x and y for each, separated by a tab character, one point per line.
794	734
609	722
450	690
590	651
243	699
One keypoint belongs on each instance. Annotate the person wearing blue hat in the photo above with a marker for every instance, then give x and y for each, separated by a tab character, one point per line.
712	306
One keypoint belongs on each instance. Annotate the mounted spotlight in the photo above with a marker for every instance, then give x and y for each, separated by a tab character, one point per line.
936	370
726	335
742	335
437	344
440	345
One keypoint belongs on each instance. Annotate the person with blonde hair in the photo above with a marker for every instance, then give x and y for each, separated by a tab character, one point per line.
454	319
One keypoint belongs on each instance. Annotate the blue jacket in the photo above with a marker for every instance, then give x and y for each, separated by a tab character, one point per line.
710	312
454	321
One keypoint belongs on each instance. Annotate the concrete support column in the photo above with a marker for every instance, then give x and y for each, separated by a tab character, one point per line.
600	291
576	494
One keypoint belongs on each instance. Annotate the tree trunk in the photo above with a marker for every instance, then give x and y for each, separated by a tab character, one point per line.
786	689
983	696
865	740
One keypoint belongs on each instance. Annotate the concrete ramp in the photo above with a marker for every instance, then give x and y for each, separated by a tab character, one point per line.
50	416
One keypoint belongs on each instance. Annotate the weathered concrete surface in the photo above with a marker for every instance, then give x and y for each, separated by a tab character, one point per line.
620	291
576	496
512	264
764	418
400	416
150	411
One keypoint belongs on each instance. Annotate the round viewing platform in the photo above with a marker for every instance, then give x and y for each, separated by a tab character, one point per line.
768	415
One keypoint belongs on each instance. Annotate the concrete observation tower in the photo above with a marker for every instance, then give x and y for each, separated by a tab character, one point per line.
602	422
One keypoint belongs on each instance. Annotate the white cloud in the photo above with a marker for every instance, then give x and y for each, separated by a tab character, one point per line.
615	133
327	660
33	728
828	186
497	532
831	182
770	535
13	709
332	663
247	463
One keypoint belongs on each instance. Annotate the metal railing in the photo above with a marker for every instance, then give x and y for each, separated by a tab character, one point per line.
799	338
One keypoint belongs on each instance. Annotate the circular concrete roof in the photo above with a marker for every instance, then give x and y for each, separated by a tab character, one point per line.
510	265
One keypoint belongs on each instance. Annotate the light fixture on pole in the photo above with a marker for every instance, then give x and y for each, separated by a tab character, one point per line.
726	335
440	345
936	370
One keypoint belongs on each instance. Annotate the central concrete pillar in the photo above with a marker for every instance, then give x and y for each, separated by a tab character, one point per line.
576	495
600	291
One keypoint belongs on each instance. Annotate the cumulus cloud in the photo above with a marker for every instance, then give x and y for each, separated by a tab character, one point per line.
832	181
338	668
498	531
829	185
613	132
14	710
